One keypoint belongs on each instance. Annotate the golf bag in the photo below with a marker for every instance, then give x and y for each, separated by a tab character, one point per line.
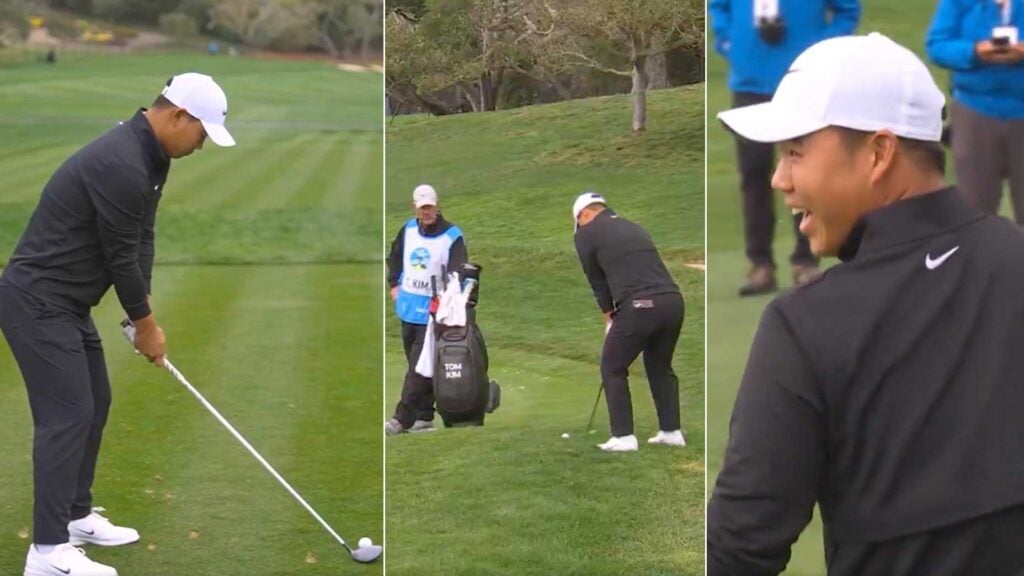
463	393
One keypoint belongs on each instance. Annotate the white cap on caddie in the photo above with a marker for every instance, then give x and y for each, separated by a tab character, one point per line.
424	195
582	201
866	83
201	97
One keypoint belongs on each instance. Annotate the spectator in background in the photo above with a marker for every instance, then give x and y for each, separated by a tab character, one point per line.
760	38
977	41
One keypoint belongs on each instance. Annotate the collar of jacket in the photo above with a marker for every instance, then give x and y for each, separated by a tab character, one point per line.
908	221
440	226
158	159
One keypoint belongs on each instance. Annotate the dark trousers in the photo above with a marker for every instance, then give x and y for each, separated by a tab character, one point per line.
61	360
756	166
417	401
987	151
650	326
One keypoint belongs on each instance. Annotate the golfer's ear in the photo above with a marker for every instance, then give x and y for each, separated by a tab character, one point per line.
884	145
180	116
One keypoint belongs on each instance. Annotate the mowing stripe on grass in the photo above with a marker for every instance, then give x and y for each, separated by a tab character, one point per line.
204	171
351	175
290	183
237	175
322	178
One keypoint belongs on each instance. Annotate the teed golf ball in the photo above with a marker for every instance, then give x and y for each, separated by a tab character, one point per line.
365	542
565	435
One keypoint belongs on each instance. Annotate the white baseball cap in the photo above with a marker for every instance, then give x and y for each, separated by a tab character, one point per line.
201	97
582	201
866	83
424	195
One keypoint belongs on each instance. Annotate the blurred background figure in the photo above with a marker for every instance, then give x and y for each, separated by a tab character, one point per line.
760	39
978	42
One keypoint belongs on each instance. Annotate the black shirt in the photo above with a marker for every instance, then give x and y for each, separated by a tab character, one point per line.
94	224
457	254
621	261
891	393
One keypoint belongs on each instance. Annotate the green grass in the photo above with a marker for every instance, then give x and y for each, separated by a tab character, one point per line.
514	497
732	321
288	347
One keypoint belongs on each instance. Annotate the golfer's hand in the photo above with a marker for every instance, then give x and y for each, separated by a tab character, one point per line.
989	52
150	341
394	293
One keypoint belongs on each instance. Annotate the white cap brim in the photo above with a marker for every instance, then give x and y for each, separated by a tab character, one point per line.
218	134
769	123
423	203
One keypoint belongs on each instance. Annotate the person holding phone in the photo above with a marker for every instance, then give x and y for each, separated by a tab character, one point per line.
979	42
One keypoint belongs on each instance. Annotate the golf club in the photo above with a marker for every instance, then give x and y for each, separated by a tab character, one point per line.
590	423
363	554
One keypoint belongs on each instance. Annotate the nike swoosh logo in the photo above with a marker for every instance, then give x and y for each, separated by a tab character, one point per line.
932	264
61	570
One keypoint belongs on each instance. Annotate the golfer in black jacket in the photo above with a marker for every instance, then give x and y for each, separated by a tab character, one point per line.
643	312
93	229
888	392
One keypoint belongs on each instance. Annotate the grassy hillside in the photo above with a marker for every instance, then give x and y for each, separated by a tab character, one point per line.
514	497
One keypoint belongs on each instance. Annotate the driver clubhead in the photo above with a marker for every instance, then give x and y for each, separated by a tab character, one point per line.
367	554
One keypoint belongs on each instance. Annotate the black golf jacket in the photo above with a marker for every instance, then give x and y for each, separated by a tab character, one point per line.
94	224
891	393
621	261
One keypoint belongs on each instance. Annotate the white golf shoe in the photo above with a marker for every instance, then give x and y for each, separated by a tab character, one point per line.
64	560
673	438
620	444
95	529
422	426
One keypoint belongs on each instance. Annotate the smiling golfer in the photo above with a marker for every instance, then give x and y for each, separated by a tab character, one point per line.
889	391
93	228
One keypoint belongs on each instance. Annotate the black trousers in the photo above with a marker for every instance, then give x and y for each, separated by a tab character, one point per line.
61	360
650	326
756	165
417	402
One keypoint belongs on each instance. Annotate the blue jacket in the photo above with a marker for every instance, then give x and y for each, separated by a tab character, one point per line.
995	90
757	67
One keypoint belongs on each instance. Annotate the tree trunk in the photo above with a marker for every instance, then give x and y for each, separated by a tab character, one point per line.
639	95
656	68
486	92
468	95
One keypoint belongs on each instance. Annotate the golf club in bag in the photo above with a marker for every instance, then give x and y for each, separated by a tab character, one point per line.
363	554
463	393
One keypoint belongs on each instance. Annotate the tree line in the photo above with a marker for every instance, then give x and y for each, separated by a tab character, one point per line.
446	56
338	27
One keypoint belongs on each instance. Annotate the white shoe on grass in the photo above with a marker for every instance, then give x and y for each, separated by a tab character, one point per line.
422	426
64	560
673	438
95	529
620	444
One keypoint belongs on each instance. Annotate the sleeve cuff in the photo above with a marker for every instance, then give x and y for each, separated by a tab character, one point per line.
138	311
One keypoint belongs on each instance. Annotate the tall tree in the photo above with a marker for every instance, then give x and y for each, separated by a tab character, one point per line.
603	34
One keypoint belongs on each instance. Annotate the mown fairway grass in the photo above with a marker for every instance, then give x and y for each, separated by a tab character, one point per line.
267	285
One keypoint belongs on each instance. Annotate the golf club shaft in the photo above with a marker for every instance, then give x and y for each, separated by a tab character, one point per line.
216	414
593	411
